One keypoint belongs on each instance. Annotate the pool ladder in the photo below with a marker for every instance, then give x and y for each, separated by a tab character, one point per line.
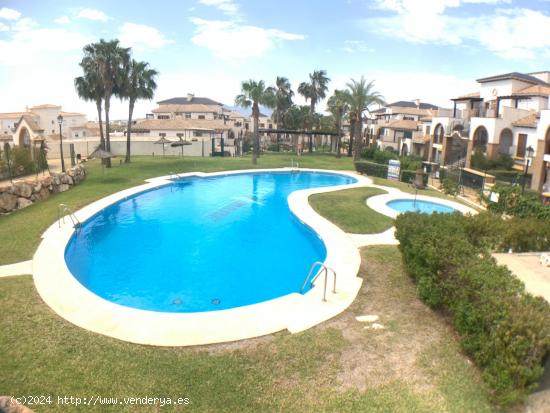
324	269
64	210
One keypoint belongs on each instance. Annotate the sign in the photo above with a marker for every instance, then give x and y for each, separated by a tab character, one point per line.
394	166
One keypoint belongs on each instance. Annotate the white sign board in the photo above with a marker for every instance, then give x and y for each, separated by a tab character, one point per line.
394	166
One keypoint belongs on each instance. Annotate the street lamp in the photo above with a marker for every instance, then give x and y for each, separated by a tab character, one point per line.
60	121
529	154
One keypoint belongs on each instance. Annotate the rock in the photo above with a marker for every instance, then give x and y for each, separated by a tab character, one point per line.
44	193
37	187
63	188
22	189
23	203
8	405
8	202
367	318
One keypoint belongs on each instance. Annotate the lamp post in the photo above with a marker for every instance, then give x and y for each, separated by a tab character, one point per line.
529	153
60	121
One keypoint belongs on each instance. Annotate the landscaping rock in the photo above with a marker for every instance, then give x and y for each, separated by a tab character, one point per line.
8	202
7	405
37	187
63	188
23	203
22	189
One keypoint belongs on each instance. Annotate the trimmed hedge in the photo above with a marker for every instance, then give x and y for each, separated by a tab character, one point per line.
371	169
505	330
512	202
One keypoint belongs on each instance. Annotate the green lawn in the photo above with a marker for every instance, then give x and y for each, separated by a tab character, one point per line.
413	365
20	232
348	210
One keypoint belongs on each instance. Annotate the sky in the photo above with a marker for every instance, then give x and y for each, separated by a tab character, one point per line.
432	50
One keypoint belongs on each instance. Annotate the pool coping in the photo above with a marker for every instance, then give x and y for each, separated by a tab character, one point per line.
379	203
295	312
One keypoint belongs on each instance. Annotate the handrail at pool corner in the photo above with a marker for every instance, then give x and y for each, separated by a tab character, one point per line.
62	211
325	269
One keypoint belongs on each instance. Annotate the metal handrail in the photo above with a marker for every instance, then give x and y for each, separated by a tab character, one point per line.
324	269
62	211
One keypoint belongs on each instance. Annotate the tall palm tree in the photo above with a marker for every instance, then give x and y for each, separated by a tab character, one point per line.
90	89
253	94
338	106
314	91
138	83
283	101
109	59
362	95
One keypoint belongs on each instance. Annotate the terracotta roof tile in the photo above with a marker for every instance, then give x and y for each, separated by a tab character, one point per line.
192	107
529	121
181	124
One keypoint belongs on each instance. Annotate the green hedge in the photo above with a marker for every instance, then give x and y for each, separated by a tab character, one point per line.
409	176
505	330
371	169
512	202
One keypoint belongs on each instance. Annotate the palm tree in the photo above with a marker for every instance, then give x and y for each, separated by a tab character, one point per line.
138	83
89	88
314	91
253	94
108	59
338	106
283	101
362	96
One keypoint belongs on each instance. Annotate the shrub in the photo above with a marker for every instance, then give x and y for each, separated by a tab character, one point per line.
371	169
409	176
505	330
449	186
512	202
22	161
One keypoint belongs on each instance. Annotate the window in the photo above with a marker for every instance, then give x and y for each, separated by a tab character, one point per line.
163	117
270	126
162	135
187	115
408	118
428	129
83	133
53	130
53	122
201	116
76	135
197	133
238	124
262	125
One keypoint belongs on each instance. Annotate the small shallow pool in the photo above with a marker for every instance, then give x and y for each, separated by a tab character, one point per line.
425	207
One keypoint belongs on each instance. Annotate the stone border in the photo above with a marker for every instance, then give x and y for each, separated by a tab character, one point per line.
379	203
295	312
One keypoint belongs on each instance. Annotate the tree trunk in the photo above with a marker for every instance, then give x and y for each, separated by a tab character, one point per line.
129	131
256	148
100	120
351	133
312	115
338	138
107	131
358	138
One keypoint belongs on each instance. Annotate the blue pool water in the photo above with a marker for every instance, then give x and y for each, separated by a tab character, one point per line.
425	207
200	244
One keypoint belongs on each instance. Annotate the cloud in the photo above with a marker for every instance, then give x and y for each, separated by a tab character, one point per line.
63	20
356	46
9	14
93	14
508	33
4	27
220	36
141	36
226	6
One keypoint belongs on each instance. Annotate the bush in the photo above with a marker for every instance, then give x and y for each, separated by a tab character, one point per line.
512	202
449	186
22	161
371	169
409	176
480	161
505	330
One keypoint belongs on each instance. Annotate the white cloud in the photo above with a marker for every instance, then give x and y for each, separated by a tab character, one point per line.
4	27
93	14
141	36
356	46
9	14
508	33
228	7
220	36
62	20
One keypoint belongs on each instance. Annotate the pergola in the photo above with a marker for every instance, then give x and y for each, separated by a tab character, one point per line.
309	133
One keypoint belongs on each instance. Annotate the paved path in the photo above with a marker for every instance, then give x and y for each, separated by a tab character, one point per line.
383	238
19	268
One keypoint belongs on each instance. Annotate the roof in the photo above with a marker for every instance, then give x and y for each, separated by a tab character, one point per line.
46	106
12	115
410	111
537	90
71	114
403	124
474	95
407	104
234	115
186	107
31	123
184	100
529	121
180	124
513	75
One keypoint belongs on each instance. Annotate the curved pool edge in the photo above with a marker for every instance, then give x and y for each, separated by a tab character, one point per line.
61	291
379	203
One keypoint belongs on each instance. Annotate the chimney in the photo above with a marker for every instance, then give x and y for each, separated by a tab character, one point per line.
190	97
417	102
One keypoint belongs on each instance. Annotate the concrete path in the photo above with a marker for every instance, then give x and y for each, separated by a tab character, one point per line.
19	268
527	268
383	238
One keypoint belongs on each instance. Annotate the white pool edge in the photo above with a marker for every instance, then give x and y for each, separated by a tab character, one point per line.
379	203
294	312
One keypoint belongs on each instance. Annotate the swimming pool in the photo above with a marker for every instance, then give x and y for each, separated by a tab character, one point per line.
200	244
422	206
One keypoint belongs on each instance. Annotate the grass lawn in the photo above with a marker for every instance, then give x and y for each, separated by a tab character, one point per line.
348	210
20	232
412	365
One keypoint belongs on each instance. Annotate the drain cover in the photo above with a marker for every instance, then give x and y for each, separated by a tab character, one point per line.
216	301
177	301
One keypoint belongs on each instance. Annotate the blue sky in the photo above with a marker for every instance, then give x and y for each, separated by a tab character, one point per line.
427	49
